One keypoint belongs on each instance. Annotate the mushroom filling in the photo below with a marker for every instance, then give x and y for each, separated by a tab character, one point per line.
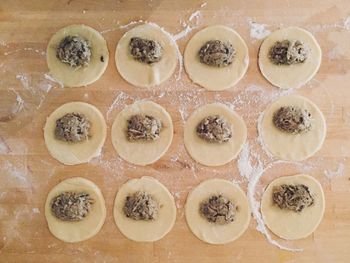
145	50
292	119
143	127
216	53
74	51
71	206
214	129
288	52
72	127
141	206
292	197
218	209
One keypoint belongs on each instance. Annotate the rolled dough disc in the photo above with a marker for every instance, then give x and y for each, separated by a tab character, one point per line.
288	224
142	152
213	78
294	147
80	230
214	154
146	75
81	152
72	77
290	76
209	232
145	231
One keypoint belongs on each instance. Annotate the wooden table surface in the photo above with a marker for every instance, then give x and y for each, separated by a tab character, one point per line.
28	95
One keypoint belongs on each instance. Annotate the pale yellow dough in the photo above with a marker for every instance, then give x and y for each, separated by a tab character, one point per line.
76	77
214	78
289	224
210	232
81	152
290	76
80	230
145	231
295	147
142	152
141	74
214	154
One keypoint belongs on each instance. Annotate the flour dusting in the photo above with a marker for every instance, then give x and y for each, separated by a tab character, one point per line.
258	31
335	173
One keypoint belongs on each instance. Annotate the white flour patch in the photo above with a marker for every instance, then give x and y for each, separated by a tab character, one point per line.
346	23
50	78
335	173
35	210
131	24
38	51
258	31
119	100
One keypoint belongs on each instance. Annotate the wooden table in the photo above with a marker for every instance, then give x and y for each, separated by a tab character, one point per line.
27	172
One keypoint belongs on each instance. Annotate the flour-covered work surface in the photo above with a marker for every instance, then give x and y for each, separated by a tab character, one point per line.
160	131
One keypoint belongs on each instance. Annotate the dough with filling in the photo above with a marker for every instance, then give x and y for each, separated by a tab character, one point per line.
215	78
77	231
142	152
141	74
139	230
80	152
210	232
295	75
294	147
288	224
76	77
214	154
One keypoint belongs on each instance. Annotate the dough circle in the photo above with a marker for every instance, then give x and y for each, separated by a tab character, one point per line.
292	76
288	224
81	152
214	154
72	77
146	75
294	147
214	78
80	230
142	152
209	232
145	231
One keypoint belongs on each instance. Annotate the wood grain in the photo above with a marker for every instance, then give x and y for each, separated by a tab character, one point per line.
27	172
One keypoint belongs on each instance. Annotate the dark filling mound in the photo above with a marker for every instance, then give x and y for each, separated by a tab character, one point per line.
218	209
214	129
217	53
143	127
74	51
71	206
72	127
292	119
288	52
292	197
145	50
141	206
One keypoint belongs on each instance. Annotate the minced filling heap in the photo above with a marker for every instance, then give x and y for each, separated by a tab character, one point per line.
143	127
292	119
71	206
214	129
74	51
145	50
218	209
292	197
216	53
288	52
72	127
141	206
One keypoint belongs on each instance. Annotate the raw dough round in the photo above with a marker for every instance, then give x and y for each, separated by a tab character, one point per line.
290	76
289	224
142	152
211	232
214	154
295	147
146	75
145	231
213	78
72	77
81	152
79	230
